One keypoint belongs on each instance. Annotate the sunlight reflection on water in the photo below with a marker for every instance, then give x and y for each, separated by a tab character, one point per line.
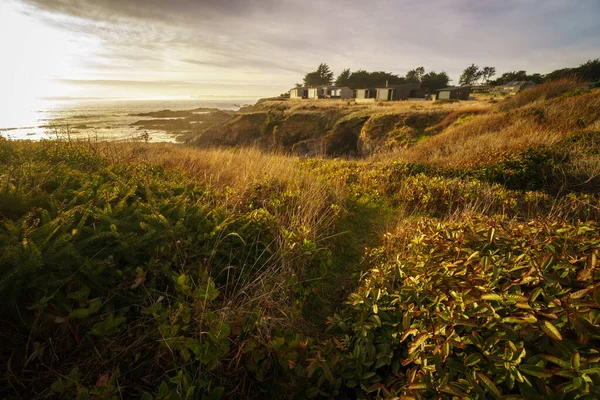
105	120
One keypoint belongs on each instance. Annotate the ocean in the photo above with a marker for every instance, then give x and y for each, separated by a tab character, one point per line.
105	120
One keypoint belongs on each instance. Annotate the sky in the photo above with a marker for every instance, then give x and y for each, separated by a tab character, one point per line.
247	49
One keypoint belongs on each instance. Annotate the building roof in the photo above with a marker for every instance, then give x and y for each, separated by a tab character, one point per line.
453	88
519	83
404	85
333	87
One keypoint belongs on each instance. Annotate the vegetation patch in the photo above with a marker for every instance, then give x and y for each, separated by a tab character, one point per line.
483	308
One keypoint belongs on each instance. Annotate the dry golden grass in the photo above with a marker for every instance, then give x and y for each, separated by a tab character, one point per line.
348	106
243	172
481	139
546	91
456	115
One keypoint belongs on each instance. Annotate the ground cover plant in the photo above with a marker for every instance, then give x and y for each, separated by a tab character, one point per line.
457	267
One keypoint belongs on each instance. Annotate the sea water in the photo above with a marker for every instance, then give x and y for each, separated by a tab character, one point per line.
97	119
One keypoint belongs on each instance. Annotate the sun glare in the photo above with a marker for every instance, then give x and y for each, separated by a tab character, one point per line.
34	56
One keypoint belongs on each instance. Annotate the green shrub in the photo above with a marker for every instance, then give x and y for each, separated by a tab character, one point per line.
479	309
140	274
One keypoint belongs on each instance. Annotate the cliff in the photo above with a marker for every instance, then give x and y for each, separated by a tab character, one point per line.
330	127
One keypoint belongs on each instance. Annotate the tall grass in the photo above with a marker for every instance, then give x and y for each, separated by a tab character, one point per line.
482	139
546	91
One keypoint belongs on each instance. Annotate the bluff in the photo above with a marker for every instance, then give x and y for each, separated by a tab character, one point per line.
331	127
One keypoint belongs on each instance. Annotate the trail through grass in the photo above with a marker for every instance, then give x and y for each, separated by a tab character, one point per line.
361	228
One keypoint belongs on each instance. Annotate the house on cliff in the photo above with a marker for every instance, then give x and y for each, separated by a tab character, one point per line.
335	92
322	92
299	93
515	87
366	95
453	93
399	92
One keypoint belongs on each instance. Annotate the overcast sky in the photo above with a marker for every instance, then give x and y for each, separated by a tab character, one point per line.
254	48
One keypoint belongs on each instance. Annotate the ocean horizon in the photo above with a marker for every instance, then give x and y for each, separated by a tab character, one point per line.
102	119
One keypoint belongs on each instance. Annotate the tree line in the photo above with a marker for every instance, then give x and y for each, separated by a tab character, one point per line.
471	75
364	79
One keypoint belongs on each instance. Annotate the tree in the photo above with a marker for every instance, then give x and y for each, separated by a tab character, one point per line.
487	73
363	79
512	76
344	78
470	75
415	75
380	78
434	81
535	78
322	76
589	71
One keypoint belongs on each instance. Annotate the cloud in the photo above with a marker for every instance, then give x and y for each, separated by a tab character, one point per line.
274	42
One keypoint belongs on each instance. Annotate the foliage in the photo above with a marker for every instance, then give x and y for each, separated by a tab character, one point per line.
415	75
484	307
140	275
322	76
360	79
434	81
517	76
344	78
487	73
588	71
470	75
137	270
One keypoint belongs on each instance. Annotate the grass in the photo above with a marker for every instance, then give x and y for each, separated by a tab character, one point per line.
480	140
462	265
329	127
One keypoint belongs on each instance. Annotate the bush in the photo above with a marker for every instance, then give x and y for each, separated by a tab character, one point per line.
548	90
129	277
476	309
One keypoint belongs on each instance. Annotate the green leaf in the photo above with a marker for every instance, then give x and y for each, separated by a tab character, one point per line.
418	341
81	295
565	373
417	386
109	326
577	382
368	375
490	235
216	393
80	313
221	331
163	389
453	391
550	330
589	371
208	291
534	370
488	384
576	361
58	386
491	297
473	359
556	360
95	305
